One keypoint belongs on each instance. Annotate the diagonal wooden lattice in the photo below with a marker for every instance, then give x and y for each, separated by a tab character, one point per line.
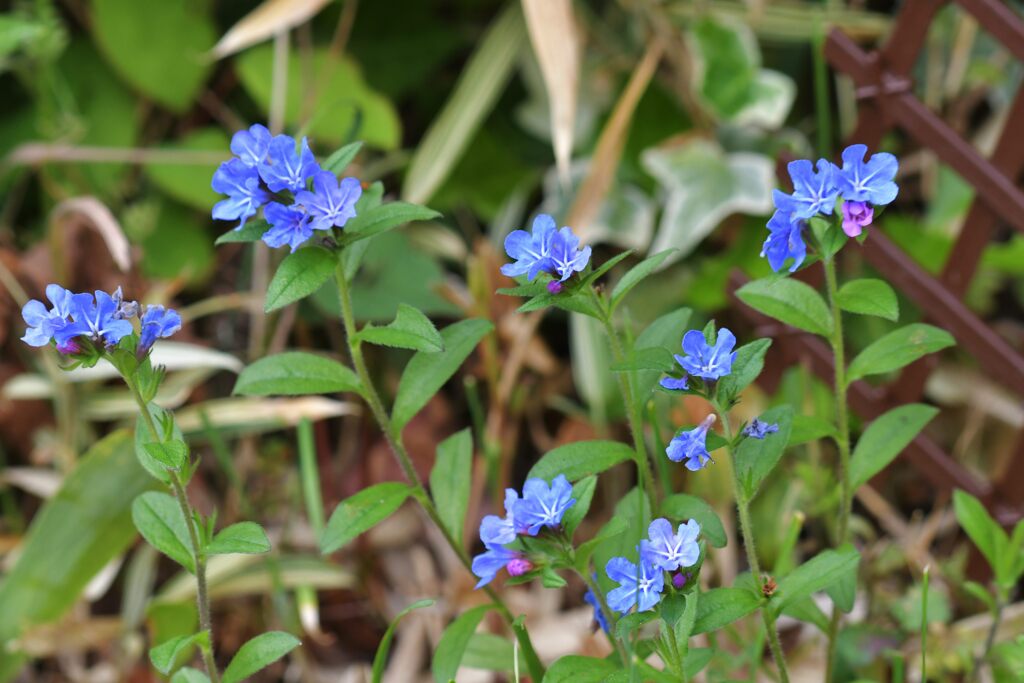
887	102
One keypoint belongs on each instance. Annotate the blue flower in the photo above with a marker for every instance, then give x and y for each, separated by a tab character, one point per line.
289	226
758	429
543	505
638	586
94	318
531	252
703	359
241	183
675	383
870	181
813	193
856	217
251	146
785	240
566	257
599	615
125	309
487	564
497	531
331	203
44	323
157	323
670	550
288	169
692	446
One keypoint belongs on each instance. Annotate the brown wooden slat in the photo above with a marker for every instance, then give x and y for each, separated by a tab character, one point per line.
999	19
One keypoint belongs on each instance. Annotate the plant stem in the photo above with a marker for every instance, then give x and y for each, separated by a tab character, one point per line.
842	441
747	532
394	439
990	638
198	556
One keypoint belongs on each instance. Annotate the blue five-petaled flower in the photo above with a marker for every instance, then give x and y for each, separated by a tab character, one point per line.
289	225
331	203
785	241
543	505
639	586
241	183
813	193
691	446
667	549
286	168
704	360
487	565
157	323
96	318
545	250
44	323
758	429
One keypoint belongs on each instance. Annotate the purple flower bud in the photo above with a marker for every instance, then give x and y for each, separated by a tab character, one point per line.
679	580
519	566
856	217
555	287
69	347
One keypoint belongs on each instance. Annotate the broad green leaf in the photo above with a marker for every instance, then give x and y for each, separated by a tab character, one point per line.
295	373
579	669
73	536
361	512
636	275
719	607
159	519
885	438
491	652
454	640
696	659
806	610
189	675
190	183
252	231
844	591
172	454
682	507
653	358
341	158
809	428
426	373
984	531
143	437
381	658
140	40
754	459
868	296
790	301
259	653
818	573
383	218
579	459
898	348
573	302
450	481
244	538
666	332
165	655
300	274
409	330
583	493
745	369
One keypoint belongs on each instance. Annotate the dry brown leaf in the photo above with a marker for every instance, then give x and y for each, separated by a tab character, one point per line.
96	214
270	18
557	46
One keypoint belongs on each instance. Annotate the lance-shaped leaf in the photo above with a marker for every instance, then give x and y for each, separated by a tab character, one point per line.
452	646
383	218
361	512
409	330
721	606
818	573
898	348
790	301
244	538
885	438
259	653
296	373
579	459
450	481
159	519
299	275
869	296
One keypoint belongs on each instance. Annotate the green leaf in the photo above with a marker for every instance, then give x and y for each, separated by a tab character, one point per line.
984	531
628	624
682	507
636	275
383	218
898	348
745	369
583	493
296	373
141	39
361	512
818	573
807	610
696	659
719	607
409	330
809	428
830	237
252	231
341	157
869	297
189	675
159	519
300	274
259	653
190	183
885	438
381	658
579	459
426	373
243	538
790	301
549	578
454	640
596	274
450	481
172	454
754	459
73	536
579	669
844	591
653	358
143	437
614	527
165	656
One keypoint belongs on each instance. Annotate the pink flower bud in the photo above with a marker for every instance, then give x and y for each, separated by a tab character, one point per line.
519	566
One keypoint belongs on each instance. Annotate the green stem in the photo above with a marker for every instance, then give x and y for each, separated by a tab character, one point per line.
842	441
394	439
747	532
990	638
198	556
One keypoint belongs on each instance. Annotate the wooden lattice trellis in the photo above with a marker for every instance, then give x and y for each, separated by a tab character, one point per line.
886	102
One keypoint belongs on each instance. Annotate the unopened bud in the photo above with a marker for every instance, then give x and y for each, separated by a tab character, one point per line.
555	287
519	566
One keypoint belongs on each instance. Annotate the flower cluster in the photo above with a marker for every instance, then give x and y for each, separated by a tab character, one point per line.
102	319
545	250
272	173
862	185
541	506
664	550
